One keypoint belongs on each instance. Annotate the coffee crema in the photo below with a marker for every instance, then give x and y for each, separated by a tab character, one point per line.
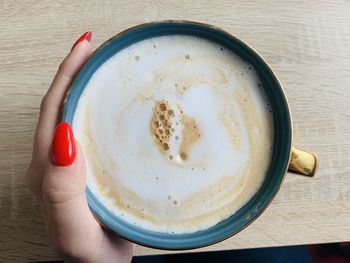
177	133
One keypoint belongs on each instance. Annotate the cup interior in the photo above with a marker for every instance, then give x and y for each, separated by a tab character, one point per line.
282	136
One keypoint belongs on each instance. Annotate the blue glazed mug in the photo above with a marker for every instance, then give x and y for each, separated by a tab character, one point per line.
284	157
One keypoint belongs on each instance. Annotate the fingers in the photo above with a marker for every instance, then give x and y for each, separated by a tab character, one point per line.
65	206
61	184
71	226
52	102
68	69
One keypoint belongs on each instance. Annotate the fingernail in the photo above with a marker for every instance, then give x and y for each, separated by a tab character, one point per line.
63	145
87	35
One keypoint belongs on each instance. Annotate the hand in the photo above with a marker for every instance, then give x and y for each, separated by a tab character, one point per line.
59	182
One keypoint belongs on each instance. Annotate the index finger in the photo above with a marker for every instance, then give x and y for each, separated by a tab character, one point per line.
52	102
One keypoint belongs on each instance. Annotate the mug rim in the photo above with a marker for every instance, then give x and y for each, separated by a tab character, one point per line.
283	95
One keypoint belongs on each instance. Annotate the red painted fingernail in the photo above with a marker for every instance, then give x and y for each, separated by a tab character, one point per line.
63	145
87	35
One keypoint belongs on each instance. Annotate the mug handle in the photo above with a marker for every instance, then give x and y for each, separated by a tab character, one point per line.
302	162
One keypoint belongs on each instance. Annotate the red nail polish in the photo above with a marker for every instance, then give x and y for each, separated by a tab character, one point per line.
87	35
63	145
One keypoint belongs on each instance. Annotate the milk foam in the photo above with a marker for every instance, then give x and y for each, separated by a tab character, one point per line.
196	165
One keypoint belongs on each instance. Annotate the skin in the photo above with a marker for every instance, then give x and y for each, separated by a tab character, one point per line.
60	190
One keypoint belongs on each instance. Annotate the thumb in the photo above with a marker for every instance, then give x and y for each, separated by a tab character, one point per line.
65	205
62	184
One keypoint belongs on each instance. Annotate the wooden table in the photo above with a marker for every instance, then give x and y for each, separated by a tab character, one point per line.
306	43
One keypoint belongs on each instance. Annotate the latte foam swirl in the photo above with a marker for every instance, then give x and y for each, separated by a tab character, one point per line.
177	133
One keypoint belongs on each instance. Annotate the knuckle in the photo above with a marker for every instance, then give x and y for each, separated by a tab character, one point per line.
43	104
62	64
58	188
30	181
52	193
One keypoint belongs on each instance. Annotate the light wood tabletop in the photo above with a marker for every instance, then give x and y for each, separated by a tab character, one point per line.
307	43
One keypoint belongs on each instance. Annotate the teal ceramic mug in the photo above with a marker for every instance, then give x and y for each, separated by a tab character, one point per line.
284	156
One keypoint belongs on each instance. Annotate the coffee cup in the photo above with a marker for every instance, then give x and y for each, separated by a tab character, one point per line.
201	45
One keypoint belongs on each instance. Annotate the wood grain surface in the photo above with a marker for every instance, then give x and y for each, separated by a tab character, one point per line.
307	43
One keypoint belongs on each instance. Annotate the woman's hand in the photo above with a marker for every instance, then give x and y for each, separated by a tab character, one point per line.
57	177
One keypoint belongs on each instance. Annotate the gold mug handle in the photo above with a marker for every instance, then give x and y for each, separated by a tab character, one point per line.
302	162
